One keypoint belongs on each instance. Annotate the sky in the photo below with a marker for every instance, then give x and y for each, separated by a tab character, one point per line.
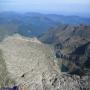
63	7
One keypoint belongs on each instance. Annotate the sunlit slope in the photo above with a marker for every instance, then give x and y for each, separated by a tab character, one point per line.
27	59
4	77
30	62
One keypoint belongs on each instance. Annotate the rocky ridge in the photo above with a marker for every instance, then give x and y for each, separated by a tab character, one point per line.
30	62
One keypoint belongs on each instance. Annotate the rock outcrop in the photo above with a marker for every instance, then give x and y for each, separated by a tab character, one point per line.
31	63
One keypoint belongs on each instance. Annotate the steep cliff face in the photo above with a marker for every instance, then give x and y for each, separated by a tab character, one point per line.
30	62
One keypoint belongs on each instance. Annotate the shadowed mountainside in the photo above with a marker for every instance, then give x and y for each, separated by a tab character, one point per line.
72	47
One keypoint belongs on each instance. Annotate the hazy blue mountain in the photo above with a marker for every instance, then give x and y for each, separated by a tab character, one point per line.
69	19
28	24
34	24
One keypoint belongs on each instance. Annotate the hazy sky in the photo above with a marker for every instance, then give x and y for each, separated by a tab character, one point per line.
66	7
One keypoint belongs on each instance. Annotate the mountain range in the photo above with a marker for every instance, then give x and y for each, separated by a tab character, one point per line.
34	24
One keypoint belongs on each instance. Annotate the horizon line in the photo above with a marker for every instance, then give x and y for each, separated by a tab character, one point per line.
46	13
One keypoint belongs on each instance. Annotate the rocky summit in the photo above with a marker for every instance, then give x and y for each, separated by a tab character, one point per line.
28	61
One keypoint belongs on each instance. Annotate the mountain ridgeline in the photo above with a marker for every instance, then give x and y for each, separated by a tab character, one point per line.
34	24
